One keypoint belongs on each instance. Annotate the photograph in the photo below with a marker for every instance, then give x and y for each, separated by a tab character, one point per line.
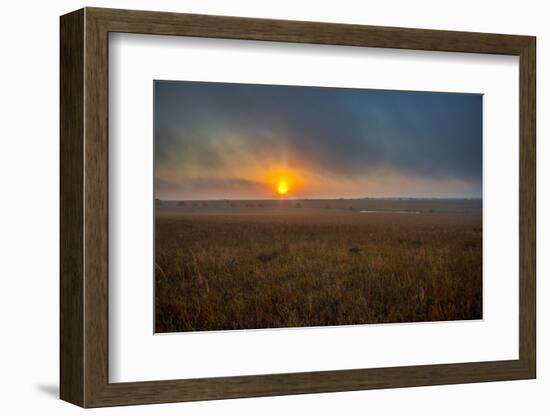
283	206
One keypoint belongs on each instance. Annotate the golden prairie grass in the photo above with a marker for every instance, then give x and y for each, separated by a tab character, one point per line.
240	270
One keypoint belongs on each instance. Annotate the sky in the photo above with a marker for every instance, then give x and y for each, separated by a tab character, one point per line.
245	141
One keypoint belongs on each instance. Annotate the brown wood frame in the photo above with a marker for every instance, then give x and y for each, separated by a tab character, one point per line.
84	209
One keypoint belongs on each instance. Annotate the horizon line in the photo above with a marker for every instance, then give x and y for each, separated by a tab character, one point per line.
326	199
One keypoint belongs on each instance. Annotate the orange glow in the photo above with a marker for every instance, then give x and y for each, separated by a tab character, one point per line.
282	188
283	181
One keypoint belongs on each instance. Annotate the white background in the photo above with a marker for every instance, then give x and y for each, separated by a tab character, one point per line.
29	213
136	355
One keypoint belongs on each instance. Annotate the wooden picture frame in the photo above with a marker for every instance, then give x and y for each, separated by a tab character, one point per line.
84	207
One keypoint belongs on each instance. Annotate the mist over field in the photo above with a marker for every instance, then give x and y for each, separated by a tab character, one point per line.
412	205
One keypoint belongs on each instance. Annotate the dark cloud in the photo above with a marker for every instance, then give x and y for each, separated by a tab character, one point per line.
347	133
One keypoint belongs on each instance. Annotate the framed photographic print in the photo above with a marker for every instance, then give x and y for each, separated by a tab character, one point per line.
256	207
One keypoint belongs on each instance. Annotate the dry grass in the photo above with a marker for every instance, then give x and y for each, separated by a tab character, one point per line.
239	270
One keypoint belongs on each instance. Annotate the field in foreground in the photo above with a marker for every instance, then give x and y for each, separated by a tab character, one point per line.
220	267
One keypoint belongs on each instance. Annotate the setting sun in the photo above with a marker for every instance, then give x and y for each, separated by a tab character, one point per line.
283	181
282	188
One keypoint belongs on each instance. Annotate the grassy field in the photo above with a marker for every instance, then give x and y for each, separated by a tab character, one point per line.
224	265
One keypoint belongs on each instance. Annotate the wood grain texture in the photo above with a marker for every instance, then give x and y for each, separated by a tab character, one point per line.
96	76
84	207
71	202
527	208
162	23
